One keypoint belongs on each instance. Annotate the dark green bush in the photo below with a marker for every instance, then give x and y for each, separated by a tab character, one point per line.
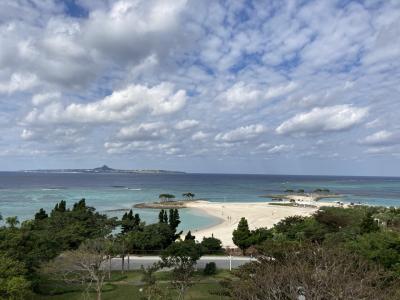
210	268
211	245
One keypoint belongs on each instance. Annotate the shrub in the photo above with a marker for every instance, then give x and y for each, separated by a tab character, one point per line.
211	245
210	268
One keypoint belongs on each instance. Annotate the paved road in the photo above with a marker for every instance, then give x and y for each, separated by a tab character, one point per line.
222	262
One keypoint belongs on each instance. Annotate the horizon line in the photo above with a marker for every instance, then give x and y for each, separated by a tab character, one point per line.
207	173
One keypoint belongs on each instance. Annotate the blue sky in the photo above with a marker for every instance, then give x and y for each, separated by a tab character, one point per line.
277	87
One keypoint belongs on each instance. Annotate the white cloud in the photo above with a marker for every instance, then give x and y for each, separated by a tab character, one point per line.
120	147
248	95
27	134
381	150
200	136
40	99
186	124
19	82
374	123
121	106
263	146
130	31
59	137
142	132
383	137
227	63
242	133
241	94
331	118
277	149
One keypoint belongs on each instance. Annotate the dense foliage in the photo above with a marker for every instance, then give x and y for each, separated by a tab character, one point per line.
243	237
346	253
211	245
141	238
13	279
309	271
25	248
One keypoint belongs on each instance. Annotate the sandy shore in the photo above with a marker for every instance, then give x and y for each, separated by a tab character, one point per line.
258	214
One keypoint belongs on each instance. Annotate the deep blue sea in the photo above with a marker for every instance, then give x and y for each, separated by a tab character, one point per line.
22	194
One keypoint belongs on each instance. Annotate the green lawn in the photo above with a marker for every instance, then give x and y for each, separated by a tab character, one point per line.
128	286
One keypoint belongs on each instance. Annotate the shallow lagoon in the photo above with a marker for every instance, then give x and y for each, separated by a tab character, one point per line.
22	194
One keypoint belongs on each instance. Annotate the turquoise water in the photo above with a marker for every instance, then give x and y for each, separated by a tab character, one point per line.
22	194
24	202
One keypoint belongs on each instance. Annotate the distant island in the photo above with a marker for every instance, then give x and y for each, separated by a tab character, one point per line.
104	169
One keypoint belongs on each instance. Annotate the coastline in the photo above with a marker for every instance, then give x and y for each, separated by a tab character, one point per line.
219	219
258	214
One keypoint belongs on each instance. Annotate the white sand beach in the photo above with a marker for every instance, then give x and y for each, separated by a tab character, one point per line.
258	214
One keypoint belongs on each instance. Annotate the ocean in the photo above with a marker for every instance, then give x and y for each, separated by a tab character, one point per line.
22	194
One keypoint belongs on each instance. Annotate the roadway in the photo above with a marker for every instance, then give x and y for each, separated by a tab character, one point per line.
222	262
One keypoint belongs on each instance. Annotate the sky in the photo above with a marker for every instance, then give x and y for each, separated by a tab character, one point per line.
273	87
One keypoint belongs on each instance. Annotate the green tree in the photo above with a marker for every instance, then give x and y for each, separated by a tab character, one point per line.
166	197
60	207
188	195
80	205
163	216
241	235
182	257
260	235
382	247
12	222
153	237
41	215
368	224
290	226
211	245
174	221
189	236
13	281
130	222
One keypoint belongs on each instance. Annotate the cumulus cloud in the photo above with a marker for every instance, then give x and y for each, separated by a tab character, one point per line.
325	119
241	134
133	30
147	131
121	106
60	137
71	52
248	95
215	74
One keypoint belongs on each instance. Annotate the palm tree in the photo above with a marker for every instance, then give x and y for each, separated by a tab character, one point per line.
188	195
12	222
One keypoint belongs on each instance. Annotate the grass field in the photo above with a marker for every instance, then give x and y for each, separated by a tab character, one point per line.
130	286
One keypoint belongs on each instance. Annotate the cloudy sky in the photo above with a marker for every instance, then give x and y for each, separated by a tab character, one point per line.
289	87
